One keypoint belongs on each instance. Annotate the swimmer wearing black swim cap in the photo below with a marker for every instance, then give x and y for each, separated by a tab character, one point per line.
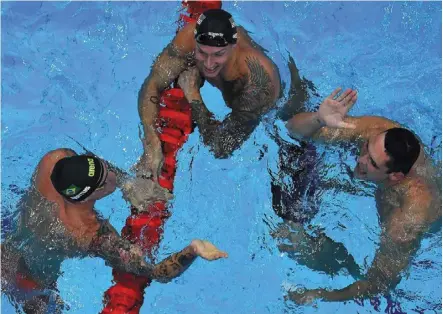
52	229
82	178
216	50
215	28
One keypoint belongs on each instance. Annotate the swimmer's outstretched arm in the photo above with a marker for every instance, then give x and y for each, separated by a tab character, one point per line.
332	124
121	254
177	263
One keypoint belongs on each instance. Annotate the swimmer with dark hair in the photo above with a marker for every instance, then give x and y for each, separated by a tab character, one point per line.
408	196
57	221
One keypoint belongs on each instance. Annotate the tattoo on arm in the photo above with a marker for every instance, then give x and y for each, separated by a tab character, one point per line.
166	67
118	252
258	92
174	265
225	137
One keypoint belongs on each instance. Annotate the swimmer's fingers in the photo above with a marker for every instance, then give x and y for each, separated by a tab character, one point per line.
352	101
350	98
217	255
344	95
213	255
345	125
207	250
302	296
334	93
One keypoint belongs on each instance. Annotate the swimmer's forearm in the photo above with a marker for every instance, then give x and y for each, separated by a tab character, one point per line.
223	138
148	102
200	113
304	125
174	265
359	289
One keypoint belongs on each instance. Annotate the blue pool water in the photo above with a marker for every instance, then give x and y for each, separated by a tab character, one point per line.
75	68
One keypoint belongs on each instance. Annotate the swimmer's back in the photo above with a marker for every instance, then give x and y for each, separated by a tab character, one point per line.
40	237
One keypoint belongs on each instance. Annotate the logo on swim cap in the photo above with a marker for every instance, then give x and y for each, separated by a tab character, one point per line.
72	190
86	189
91	171
200	19
232	22
77	177
216	28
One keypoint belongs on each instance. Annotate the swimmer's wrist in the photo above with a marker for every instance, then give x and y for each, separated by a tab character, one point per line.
318	120
194	96
151	139
192	249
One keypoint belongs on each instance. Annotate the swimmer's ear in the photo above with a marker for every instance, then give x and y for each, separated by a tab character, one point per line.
396	176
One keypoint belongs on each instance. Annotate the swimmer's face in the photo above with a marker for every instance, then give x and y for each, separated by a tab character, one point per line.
106	186
211	60
371	164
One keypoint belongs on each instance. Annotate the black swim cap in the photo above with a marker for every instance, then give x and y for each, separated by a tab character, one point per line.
77	177
215	28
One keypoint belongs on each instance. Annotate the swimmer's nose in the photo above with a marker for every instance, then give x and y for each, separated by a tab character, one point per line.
209	63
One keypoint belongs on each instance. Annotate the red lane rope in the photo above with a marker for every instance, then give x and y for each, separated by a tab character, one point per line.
146	228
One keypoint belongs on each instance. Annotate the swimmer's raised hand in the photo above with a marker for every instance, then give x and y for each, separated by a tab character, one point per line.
335	107
207	250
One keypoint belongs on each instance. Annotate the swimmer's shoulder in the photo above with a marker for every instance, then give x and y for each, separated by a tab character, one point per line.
184	39
422	200
254	64
44	169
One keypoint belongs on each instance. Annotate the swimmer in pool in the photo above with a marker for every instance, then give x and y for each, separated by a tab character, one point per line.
408	197
58	221
223	54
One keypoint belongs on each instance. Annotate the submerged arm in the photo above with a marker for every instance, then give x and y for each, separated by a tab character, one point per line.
398	243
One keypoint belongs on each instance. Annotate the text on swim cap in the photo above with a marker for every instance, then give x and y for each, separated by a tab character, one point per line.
91	171
76	197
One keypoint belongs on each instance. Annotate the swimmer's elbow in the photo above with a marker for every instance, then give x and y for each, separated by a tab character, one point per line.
221	151
222	148
162	279
221	154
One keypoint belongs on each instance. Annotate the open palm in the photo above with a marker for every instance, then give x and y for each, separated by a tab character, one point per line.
333	109
207	250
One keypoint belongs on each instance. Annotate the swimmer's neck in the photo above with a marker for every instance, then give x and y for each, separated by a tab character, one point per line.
81	209
389	184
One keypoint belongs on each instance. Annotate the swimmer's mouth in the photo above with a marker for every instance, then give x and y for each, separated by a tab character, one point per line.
211	70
